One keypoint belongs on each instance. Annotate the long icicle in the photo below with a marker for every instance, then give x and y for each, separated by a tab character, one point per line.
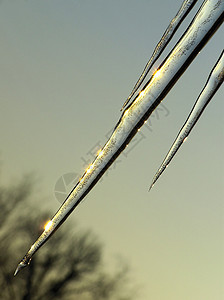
185	8
213	83
207	20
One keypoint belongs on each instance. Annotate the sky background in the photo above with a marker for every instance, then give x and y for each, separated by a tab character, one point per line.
66	69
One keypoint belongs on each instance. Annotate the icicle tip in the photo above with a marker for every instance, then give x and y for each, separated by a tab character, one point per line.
24	262
20	266
151	186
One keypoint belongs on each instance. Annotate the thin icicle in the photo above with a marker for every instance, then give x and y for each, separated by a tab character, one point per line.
213	83
185	8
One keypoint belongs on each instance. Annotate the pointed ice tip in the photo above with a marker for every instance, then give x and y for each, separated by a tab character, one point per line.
20	266
151	186
123	107
126	101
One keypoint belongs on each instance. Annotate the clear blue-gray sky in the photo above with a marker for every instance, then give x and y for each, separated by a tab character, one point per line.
66	68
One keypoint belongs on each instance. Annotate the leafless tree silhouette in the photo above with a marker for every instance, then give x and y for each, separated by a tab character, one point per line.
72	271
